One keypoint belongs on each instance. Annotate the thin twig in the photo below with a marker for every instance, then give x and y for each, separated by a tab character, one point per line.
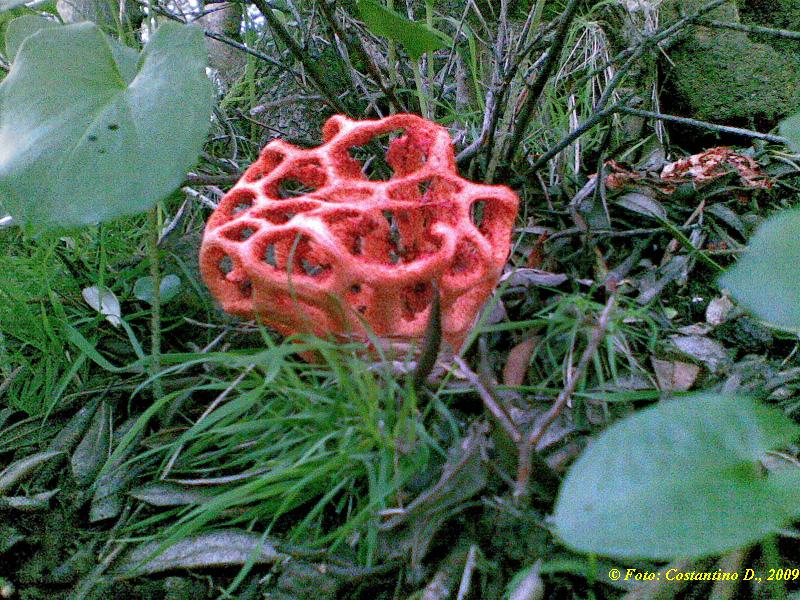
588	124
219	37
302	56
528	446
489	401
495	93
469	568
703	125
535	89
782	33
356	44
198	179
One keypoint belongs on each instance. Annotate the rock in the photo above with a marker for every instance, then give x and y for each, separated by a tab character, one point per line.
780	14
726	77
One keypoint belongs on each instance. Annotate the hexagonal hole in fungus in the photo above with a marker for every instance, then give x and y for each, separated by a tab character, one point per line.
300	252
225	264
236	202
397	249
465	260
436	192
488	216
239	232
245	288
300	178
291	188
284	212
415	299
476	212
387	154
366	235
266	163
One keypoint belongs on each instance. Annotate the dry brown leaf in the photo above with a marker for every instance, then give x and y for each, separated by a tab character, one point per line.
714	163
719	310
518	361
675	376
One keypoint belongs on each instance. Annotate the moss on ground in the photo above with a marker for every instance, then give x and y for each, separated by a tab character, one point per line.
780	14
732	77
727	78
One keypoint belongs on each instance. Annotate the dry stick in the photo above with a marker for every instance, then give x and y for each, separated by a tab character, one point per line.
469	568
494	96
496	92
653	39
782	33
492	406
500	55
704	125
219	37
314	73
198	179
528	445
588	124
356	44
536	88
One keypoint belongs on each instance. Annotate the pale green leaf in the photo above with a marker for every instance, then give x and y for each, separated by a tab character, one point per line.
83	140
22	27
790	129
9	4
679	479
766	279
169	287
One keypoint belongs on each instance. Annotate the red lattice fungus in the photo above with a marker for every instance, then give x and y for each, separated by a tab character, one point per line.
310	241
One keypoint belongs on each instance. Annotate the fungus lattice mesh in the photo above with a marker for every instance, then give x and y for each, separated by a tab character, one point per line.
311	240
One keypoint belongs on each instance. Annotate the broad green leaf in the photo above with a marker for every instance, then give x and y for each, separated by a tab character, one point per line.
415	37
790	129
168	288
22	27
766	279
679	479
9	4
88	135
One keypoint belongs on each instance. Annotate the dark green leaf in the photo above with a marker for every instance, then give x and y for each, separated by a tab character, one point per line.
431	342
680	479
416	38
161	493
766	280
114	478
28	503
83	140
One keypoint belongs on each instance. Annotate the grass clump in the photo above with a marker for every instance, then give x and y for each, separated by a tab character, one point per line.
308	451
